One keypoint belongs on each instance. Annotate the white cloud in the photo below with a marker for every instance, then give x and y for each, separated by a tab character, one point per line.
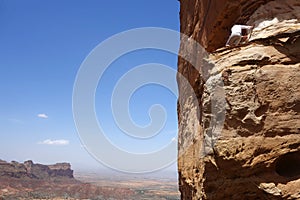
42	115
55	142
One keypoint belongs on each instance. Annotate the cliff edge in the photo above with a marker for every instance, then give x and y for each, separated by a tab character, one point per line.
35	171
240	137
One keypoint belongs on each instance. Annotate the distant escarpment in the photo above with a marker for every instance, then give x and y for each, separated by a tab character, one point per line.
27	180
240	138
35	171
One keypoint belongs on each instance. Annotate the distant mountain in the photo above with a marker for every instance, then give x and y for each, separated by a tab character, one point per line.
35	171
36	181
28	180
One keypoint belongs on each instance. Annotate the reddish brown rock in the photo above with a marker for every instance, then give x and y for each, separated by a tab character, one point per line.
35	171
240	139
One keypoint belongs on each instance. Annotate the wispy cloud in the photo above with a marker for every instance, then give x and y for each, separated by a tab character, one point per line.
55	142
172	132
43	116
17	121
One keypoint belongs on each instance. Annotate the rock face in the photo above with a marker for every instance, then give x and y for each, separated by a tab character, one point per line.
35	171
240	137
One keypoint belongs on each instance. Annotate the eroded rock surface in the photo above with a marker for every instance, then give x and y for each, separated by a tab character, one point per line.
36	171
240	138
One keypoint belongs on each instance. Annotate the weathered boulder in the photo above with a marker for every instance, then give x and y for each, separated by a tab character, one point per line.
240	139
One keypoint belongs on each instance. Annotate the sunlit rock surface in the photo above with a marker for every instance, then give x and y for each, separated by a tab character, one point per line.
255	153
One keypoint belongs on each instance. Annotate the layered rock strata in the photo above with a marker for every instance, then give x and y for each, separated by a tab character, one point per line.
36	171
240	137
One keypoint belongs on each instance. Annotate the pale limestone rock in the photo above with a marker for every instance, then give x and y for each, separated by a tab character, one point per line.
270	188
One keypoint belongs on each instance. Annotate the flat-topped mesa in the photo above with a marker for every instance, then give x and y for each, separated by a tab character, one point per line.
61	169
240	137
60	166
37	171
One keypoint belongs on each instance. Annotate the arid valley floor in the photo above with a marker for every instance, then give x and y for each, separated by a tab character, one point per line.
35	181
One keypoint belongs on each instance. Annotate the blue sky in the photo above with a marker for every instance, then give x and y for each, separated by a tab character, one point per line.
42	45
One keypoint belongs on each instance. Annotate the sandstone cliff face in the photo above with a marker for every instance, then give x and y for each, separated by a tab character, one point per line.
35	171
240	139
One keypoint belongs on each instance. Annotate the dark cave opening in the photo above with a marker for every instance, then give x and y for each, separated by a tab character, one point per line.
288	165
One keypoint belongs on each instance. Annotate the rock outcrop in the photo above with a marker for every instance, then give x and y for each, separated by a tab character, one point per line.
35	171
240	137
